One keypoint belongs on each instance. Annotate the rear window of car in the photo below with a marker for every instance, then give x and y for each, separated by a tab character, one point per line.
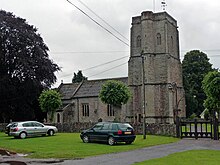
125	126
114	127
14	125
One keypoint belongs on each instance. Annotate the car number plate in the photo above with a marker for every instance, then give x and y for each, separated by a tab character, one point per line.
127	133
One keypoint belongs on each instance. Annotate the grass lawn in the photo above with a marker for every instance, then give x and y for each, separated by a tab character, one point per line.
69	145
195	157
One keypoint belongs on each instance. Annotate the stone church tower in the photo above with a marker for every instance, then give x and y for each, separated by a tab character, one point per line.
154	69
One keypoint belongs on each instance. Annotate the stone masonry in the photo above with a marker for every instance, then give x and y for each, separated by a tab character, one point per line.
154	77
154	68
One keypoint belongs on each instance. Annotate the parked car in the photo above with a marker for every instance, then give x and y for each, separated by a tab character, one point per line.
109	132
31	128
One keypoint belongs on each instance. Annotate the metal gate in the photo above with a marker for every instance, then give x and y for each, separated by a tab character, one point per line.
197	128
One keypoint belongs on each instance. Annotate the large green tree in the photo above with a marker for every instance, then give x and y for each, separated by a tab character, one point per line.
25	69
195	66
78	77
50	101
211	86
115	93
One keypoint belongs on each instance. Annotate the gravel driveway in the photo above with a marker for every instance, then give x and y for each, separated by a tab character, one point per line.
123	158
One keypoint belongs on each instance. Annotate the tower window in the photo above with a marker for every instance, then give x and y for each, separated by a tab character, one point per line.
138	41
85	109
171	42
110	110
158	39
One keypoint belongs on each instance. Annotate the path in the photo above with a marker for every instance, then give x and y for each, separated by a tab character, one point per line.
130	157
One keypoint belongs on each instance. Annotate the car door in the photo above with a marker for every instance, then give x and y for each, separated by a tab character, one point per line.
39	128
94	133
103	135
28	127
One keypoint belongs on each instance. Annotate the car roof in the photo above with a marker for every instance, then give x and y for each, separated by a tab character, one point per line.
27	122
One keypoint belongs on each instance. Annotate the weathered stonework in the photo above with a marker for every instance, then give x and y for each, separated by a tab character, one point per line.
153	128
154	77
154	67
75	95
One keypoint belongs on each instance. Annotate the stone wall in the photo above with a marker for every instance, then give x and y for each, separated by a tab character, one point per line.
161	129
154	129
73	127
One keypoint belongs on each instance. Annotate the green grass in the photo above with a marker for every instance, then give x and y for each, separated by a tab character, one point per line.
195	157
69	145
187	128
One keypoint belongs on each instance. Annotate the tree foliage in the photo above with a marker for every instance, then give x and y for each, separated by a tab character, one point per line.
78	77
50	101
195	66
25	68
211	86
114	93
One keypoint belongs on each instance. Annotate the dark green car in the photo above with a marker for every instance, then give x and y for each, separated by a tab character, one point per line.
110	133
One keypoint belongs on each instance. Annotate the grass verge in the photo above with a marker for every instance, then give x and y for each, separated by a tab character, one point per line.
69	145
195	157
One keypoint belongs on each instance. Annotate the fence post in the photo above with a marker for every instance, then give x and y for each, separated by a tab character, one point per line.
177	127
211	124
215	128
196	132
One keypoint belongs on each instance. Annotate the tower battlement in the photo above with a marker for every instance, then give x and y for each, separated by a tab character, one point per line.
149	15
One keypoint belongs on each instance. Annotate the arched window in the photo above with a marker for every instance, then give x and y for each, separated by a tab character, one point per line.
138	41
58	118
158	39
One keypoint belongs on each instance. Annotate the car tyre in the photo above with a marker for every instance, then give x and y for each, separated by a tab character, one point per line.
85	139
50	132
22	135
111	141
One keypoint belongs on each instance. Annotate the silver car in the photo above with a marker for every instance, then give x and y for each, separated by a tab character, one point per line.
31	128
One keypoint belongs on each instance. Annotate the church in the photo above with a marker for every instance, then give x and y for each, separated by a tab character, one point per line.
154	78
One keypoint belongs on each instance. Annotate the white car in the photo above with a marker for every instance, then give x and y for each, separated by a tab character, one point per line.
31	128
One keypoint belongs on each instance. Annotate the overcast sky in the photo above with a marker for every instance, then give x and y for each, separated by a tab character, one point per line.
77	43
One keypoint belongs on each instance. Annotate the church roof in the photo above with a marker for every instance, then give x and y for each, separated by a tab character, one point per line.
67	90
87	88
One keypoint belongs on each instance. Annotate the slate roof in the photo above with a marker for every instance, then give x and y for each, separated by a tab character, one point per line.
89	88
67	90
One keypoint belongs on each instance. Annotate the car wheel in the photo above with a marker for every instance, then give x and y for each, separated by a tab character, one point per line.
23	135
50	132
85	139
129	142
111	141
